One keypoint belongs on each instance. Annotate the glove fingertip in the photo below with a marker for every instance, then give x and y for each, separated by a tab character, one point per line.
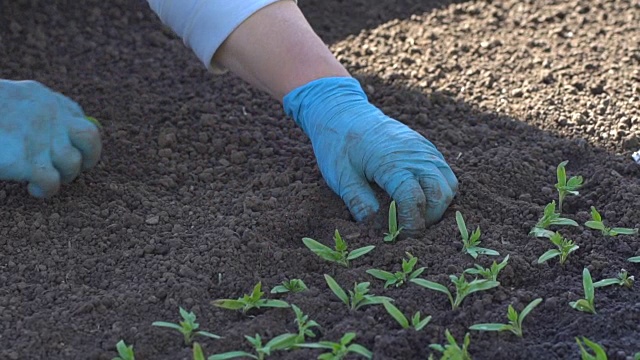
362	204
36	191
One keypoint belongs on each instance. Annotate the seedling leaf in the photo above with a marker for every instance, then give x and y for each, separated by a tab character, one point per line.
333	285
359	252
598	351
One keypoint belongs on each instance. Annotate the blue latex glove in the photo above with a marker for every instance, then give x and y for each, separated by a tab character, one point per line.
45	138
355	144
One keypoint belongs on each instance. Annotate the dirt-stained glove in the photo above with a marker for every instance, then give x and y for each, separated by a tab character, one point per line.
45	138
355	143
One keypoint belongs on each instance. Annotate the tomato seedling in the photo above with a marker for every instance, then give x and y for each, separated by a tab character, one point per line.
417	322
280	342
635	259
597	224
339	254
357	298
252	301
586	304
304	325
394	231
339	350
490	273
198	354
564	248
585	354
463	288
187	327
623	279
470	242
453	351
125	352
549	218
399	277
292	286
565	187
515	320
94	121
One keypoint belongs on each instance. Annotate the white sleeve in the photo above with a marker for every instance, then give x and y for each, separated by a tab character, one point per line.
204	24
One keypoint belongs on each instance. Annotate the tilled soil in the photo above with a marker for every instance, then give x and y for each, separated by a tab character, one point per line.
206	188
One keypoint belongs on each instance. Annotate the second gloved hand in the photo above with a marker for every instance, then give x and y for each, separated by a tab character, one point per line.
355	144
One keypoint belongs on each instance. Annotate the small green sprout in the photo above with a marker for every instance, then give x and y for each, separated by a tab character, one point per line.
187	327
585	354
417	322
339	254
635	259
470	242
565	187
515	320
339	350
586	304
293	286
125	352
463	288
94	121
549	218
453	351
198	354
304	325
357	298
597	224
623	279
280	342
490	273
636	356
399	277
394	231
248	302
564	248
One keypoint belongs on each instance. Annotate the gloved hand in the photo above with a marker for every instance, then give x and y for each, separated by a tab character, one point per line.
355	143
45	138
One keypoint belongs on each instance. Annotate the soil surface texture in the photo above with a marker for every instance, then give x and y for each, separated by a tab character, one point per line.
205	187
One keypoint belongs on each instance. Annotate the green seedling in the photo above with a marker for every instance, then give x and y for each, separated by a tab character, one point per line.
357	298
94	121
252	301
586	304
623	279
470	242
187	327
339	254
463	288
394	231
293	286
125	352
339	350
515	320
550	218
585	354
597	224
417	322
564	248
453	351
565	187
280	342
198	354
636	356
490	273
635	259
304	325
399	277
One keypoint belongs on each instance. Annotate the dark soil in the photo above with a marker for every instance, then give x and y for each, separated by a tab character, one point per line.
206	188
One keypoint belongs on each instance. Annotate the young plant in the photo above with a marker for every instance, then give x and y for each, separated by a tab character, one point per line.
280	342
635	259
399	277
339	350
470	242
248	302
585	354
463	288
597	224
94	121
198	354
453	351
515	320
394	231
490	273
586	304
623	279
565	187
304	325
187	327
125	352
339	254
357	298
564	248
293	286
549	218
417	322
